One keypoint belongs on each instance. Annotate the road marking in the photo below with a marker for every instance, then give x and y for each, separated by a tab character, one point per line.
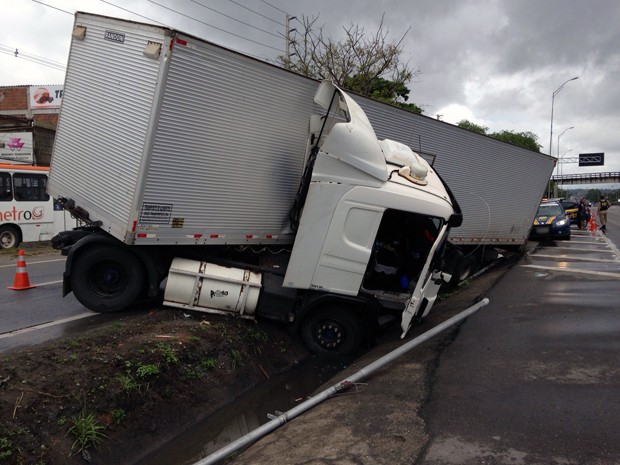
35	263
573	257
46	325
595	273
574	249
45	284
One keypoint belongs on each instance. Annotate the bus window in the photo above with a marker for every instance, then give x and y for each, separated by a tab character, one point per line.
30	187
6	191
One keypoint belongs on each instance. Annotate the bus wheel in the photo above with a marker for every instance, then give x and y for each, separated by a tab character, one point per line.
107	278
9	237
333	330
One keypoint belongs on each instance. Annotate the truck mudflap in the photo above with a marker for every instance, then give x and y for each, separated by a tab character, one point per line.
426	289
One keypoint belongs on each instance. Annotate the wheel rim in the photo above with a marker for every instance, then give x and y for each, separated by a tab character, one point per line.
7	240
330	334
107	279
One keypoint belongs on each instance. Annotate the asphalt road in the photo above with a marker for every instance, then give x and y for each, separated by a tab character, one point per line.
29	316
534	378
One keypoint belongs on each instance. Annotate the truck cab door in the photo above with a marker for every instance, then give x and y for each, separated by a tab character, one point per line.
425	293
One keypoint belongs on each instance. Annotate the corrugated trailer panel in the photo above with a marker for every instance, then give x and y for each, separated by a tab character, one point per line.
105	117
499	186
228	149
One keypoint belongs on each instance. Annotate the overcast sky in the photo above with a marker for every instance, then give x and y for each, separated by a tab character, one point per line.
494	62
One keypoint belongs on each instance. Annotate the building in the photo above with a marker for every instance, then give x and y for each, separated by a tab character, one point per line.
28	119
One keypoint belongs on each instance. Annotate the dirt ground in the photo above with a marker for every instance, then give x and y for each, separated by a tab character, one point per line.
111	394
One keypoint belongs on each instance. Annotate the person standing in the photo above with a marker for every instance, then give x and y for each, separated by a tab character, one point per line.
583	213
603	206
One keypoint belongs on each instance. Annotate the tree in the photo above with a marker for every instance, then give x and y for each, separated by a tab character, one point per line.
465	124
527	140
369	65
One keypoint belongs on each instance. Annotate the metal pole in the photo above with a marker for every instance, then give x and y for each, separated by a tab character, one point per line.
555	194
557	91
278	421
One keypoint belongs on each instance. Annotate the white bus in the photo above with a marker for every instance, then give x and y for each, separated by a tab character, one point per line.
27	212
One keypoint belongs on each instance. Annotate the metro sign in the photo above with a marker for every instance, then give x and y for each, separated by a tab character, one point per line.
591	159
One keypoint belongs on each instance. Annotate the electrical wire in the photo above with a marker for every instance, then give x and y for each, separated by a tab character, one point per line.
133	13
235	19
54	7
212	26
15	51
23	56
273	6
257	13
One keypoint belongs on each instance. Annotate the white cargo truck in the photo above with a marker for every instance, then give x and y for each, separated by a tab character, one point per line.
251	190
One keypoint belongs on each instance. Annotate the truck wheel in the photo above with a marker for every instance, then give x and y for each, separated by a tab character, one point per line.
333	330
9	237
467	268
107	278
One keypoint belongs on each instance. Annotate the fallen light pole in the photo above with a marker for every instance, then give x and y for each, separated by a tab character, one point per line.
279	420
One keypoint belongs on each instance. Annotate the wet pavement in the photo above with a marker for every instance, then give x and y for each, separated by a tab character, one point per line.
533	378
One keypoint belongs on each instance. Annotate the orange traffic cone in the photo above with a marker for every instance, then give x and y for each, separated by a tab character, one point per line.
21	281
592	224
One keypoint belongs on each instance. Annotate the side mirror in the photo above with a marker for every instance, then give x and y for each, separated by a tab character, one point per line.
455	220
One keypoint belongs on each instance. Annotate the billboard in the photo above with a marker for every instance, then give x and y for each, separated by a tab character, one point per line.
44	97
591	159
16	147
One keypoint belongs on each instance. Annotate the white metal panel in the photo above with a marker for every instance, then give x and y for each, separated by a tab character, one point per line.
107	103
229	147
498	186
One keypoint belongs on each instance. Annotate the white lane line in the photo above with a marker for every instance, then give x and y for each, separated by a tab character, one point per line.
595	273
46	325
28	262
45	284
573	257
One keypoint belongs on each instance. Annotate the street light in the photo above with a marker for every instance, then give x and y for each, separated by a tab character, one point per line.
557	91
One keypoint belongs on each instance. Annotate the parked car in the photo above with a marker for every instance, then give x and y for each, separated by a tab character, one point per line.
551	222
572	210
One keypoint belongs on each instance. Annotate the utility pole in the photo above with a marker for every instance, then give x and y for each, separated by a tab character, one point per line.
287	36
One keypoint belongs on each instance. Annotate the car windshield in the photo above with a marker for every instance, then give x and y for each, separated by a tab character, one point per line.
550	210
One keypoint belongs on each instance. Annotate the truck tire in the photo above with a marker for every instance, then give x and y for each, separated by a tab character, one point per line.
467	268
9	237
332	330
107	279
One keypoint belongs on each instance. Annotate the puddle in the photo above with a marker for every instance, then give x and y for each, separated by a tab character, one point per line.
248	412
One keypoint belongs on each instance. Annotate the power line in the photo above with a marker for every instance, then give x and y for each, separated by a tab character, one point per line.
257	13
55	8
189	17
214	27
15	51
133	13
235	19
49	65
273	6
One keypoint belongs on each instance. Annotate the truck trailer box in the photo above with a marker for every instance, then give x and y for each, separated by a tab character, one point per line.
499	186
180	141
